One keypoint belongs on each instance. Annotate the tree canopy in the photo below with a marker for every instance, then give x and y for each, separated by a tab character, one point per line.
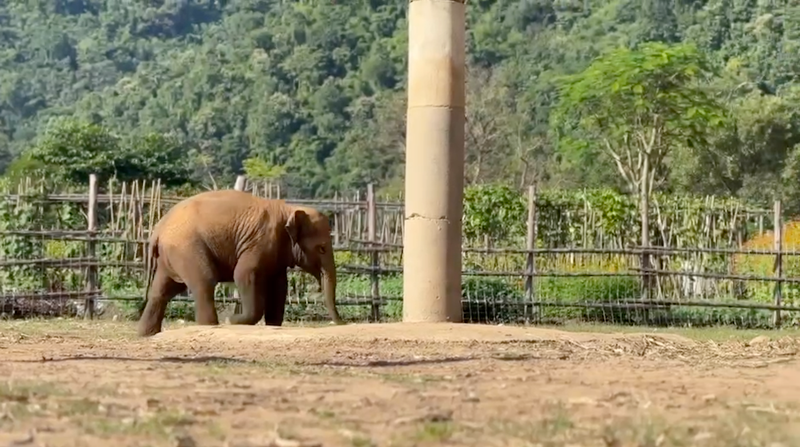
312	94
637	105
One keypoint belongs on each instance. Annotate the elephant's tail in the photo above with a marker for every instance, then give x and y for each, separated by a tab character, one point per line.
150	258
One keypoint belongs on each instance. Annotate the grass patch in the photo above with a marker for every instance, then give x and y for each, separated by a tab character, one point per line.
26	400
160	424
360	441
14	391
412	379
738	428
21	400
741	429
246	369
215	430
434	432
68	328
711	333
325	414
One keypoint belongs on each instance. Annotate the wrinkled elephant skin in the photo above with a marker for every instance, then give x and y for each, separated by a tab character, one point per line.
233	236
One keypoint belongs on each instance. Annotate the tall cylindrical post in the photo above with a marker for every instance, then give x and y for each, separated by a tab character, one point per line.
434	176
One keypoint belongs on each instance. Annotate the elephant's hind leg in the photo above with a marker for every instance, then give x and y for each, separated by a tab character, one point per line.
197	270
204	311
162	289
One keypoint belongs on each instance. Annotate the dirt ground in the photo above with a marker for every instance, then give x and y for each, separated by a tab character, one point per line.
74	383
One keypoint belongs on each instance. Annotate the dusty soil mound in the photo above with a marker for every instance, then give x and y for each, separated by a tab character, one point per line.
365	343
401	340
94	383
419	332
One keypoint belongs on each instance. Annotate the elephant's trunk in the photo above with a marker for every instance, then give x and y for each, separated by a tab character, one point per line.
327	282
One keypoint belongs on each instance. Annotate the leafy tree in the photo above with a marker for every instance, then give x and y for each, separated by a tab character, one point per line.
260	169
494	210
373	150
73	149
154	156
319	88
636	105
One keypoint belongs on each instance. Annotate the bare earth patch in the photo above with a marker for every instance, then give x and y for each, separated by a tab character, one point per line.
73	383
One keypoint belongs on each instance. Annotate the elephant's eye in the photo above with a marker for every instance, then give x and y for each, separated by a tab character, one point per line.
321	249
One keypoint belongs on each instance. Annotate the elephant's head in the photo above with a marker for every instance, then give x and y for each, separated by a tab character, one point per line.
312	251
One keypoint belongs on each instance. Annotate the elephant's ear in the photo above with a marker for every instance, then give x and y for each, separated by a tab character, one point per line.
294	225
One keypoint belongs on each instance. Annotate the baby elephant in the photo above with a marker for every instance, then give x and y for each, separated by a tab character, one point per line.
229	235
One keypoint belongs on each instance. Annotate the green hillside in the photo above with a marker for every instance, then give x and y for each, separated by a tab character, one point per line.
313	92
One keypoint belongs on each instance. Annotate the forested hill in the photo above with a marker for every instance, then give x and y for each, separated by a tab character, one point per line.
313	92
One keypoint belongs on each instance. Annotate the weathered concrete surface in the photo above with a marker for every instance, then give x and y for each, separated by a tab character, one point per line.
434	161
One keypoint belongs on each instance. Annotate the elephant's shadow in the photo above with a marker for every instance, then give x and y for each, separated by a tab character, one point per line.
233	360
202	359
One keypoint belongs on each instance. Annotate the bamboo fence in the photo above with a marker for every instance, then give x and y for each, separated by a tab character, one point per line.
76	262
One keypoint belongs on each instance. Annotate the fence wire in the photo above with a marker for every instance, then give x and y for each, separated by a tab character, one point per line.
48	269
567	285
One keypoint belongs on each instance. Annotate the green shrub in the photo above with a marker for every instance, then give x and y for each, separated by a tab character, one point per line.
588	290
763	265
714	316
491	300
496	211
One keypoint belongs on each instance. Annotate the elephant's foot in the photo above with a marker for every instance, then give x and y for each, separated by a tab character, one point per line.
244	319
147	329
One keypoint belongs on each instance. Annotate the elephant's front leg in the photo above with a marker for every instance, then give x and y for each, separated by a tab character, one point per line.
275	299
250	293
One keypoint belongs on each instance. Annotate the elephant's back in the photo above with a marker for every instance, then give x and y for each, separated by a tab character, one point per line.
207	214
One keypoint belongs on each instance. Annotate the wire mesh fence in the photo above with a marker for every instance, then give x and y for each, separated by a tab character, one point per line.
69	253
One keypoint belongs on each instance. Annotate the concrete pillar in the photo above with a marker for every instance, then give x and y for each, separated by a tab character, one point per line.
434	181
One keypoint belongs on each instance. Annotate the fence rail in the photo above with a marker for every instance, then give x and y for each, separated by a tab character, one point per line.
83	253
172	200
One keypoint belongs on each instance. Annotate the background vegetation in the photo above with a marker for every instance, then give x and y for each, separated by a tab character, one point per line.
596	102
312	93
42	253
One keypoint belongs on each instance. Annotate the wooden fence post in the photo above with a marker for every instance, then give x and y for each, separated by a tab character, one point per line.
335	214
739	286
241	182
371	235
644	213
359	228
531	264
778	295
91	248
